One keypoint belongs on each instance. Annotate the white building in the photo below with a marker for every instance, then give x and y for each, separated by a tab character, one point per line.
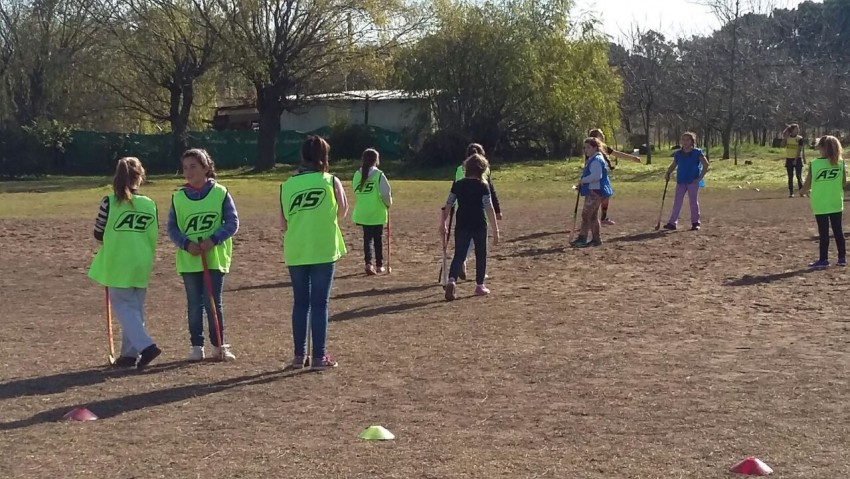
392	110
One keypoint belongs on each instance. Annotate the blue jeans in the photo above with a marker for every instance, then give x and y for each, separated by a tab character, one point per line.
463	238
311	288
198	301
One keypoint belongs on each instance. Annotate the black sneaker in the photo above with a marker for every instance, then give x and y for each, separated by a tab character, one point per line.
149	354
695	227
670	226
125	362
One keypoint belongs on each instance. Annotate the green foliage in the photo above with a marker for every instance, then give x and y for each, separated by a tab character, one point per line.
349	141
512	75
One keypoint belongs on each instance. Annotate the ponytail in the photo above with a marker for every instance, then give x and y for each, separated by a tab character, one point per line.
315	151
370	159
129	174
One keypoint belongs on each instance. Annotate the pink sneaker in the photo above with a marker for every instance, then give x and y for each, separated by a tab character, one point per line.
481	290
608	222
325	362
380	269
370	270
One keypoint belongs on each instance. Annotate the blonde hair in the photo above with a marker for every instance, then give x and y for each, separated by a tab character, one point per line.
831	147
475	166
129	173
204	159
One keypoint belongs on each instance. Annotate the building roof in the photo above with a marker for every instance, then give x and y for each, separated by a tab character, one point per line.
375	95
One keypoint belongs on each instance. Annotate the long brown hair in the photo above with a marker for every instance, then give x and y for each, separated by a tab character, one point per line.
475	149
831	147
370	158
599	145
315	151
204	159
129	174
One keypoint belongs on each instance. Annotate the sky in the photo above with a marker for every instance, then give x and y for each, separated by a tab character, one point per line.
674	18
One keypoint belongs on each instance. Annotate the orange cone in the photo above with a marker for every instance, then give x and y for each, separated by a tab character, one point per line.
752	466
79	414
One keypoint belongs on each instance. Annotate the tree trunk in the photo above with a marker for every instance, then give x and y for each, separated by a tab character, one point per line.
726	138
646	130
270	109
180	109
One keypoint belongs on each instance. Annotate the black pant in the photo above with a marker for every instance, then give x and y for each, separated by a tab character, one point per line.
462	239
823	232
793	166
373	234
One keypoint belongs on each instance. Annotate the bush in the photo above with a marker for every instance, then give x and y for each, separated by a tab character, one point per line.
33	150
445	147
349	141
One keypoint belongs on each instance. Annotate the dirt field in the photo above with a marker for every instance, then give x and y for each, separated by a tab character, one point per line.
660	355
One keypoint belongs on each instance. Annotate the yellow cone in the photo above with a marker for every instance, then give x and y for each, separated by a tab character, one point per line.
376	433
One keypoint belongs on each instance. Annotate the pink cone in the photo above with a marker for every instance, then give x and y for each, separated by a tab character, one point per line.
752	466
79	414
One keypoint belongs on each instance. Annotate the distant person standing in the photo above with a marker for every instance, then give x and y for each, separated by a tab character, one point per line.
826	179
795	156
690	165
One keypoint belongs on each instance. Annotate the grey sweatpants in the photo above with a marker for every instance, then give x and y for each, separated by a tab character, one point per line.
128	306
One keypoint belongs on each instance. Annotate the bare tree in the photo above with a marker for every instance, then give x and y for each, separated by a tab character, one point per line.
645	69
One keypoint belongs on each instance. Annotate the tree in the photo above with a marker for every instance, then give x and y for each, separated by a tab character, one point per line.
286	48
512	75
168	51
645	70
41	42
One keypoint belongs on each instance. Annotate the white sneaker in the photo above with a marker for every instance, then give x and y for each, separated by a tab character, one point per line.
216	352
197	353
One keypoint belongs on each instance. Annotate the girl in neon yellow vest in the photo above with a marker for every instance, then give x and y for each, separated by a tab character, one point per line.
826	178
202	220
371	212
127	225
311	204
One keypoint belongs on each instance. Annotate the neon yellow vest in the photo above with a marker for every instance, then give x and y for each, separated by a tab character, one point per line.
312	231
125	260
199	219
827	195
370	209
792	147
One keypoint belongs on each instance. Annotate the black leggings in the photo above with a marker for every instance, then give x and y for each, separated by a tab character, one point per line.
823	233
373	234
793	166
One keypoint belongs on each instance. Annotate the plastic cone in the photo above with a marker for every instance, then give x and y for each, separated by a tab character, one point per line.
376	433
80	414
752	466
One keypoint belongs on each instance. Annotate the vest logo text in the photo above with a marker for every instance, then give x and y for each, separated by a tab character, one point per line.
307	200
200	223
365	188
134	222
828	174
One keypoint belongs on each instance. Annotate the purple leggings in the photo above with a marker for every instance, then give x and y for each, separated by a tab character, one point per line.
692	189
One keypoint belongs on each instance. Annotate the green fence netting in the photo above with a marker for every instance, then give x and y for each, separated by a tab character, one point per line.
92	152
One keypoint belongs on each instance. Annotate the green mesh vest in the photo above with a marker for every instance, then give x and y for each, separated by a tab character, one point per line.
199	219
369	208
309	206
125	260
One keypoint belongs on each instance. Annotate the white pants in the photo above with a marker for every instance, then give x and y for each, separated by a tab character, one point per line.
128	306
